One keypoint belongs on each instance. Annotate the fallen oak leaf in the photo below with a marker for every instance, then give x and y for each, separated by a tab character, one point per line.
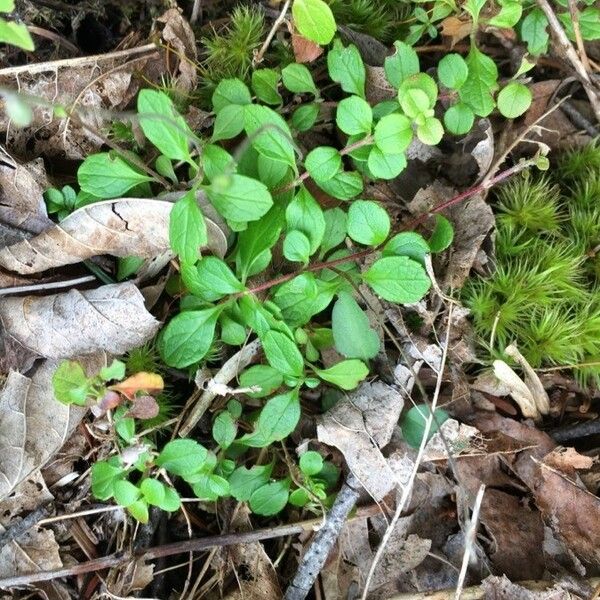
142	381
123	227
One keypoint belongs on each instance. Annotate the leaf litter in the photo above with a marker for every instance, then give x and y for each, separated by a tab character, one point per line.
540	513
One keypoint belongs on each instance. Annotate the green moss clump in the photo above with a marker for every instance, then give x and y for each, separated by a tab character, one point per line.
228	52
385	20
544	292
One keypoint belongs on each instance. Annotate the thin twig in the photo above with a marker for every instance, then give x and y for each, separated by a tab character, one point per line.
469	542
69	63
567	51
315	557
40	287
239	361
498	162
192	545
196	9
409	484
278	21
578	38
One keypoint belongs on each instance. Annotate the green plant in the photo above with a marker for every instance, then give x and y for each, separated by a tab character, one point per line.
228	52
291	263
543	293
12	32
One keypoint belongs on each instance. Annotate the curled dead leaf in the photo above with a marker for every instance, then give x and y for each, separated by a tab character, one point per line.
124	227
146	382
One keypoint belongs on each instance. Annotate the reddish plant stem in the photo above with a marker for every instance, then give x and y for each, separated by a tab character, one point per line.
482	187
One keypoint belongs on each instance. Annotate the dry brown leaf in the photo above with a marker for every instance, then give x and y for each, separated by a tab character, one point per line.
305	51
35	550
111	318
568	459
21	188
178	35
33	424
501	588
94	85
455	29
571	511
378	88
472	220
361	424
124	227
256	576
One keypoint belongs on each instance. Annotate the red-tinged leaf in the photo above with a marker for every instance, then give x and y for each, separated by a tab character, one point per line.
140	382
305	51
144	407
109	401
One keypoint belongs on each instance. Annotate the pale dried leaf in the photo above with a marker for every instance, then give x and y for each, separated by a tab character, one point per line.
518	389
35	550
540	396
472	220
92	85
361	424
21	187
378	88
124	227
178	35
111	318
33	424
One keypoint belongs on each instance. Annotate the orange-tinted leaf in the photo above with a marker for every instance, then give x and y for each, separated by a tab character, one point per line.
455	29
146	382
305	51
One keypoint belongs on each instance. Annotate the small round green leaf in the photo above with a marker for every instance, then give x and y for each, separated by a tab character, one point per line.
323	163
431	131
305	116
182	457
385	166
126	493
296	247
414	102
270	499
398	279
311	463
459	119
354	116
413	423
407	243
442	235
368	223
514	100
297	79
314	20
453	71
393	134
